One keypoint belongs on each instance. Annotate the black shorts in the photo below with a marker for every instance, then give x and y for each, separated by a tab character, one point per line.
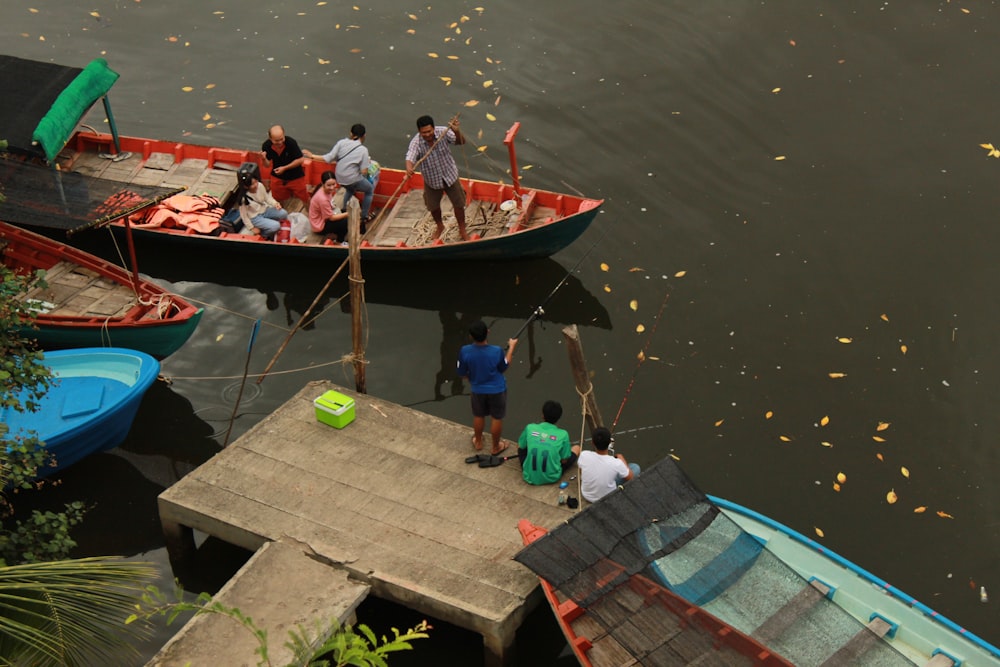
494	405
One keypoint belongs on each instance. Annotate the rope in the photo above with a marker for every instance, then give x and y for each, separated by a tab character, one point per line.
583	426
642	358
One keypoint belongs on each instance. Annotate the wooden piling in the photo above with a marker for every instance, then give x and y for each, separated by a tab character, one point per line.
357	290
581	376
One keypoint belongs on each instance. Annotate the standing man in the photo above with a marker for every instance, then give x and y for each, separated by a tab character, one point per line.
284	157
544	449
484	365
439	169
601	473
351	160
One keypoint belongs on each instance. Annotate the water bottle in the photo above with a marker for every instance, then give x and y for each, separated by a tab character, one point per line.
285	233
562	492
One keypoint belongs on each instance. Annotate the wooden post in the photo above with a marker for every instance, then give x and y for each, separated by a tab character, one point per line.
357	290
580	375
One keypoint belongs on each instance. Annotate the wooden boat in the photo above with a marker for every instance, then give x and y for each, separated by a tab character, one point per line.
89	302
90	405
540	223
914	629
687	634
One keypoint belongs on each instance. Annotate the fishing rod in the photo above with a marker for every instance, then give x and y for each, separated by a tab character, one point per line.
642	358
539	310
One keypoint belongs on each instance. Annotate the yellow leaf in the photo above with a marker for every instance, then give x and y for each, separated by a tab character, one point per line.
490	117
413	17
639	328
824	421
452	57
784	438
209	86
845	340
768	414
988	147
878	439
206	116
635	269
641	356
487	83
836	487
819	532
826	444
446	79
891	497
187	89
209	126
219	337
882	426
471	103
680	274
838	375
919	510
842	478
322	61
906	473
605	267
633	304
482	148
879	456
944	515
884	317
95	15
607	288
675	457
902	348
433	55
776	90
966	11
779	158
719	423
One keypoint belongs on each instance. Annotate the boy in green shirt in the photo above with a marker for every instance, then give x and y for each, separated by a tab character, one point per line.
544	449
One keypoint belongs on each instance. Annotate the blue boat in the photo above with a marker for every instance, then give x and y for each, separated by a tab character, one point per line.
90	406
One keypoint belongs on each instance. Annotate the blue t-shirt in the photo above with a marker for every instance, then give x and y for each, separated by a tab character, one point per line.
484	365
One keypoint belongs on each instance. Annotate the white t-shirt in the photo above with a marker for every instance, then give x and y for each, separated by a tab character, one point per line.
599	474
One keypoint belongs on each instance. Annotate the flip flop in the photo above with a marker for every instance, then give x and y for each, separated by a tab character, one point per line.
477	458
476	447
500	451
493	461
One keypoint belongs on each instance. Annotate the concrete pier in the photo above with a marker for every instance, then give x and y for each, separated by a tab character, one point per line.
388	499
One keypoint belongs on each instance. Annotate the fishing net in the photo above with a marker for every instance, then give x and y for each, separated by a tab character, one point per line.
39	196
660	532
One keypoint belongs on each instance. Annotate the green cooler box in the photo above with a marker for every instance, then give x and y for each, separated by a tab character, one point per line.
334	409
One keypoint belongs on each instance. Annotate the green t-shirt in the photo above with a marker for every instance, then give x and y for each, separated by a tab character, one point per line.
547	446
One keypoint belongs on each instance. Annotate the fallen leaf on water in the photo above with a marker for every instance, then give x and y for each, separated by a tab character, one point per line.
482	148
902	348
640	328
607	288
819	532
605	267
988	147
355	50
784	438
207	116
446	79
641	356
219	337
919	510
680	274
878	439
412	16
906	473
490	117
635	268
487	83
792	42
824	421
779	158
452	57
768	414
675	457
433	55
884	317
776	90
844	339
944	515
187	89
841	477
882	426
966	11
209	86
95	15
838	375
719	423
826	444
633	304
836	487
470	103
891	497
879	456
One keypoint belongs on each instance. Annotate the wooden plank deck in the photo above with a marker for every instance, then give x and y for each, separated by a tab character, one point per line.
389	498
76	291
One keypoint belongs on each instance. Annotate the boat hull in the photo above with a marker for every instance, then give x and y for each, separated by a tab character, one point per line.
91	404
150	319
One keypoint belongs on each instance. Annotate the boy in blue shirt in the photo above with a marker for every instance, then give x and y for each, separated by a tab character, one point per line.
484	365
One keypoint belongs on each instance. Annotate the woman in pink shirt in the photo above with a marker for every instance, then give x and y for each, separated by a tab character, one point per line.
324	217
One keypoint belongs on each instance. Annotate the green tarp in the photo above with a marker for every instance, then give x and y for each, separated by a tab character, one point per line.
56	127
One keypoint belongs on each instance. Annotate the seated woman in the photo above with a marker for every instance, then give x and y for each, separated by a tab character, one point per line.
324	217
259	211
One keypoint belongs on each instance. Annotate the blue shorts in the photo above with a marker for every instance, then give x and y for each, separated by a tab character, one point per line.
494	405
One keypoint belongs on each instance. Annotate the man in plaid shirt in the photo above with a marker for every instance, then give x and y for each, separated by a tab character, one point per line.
432	144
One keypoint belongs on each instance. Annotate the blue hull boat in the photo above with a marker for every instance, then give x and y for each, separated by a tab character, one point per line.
91	404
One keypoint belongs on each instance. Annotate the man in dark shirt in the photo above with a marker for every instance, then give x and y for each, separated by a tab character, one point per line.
283	155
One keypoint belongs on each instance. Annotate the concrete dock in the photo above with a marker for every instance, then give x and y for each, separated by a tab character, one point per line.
388	499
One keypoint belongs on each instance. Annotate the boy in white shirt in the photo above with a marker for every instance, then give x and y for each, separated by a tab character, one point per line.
601	473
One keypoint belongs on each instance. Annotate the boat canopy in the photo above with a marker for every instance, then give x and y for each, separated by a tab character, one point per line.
660	528
40	109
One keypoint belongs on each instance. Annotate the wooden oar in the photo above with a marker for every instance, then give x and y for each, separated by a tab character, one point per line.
340	268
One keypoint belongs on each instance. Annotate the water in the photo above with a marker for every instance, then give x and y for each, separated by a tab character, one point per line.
877	225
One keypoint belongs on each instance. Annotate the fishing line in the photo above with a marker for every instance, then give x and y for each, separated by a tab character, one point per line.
642	358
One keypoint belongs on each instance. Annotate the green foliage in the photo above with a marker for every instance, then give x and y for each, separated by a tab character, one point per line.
343	646
21	368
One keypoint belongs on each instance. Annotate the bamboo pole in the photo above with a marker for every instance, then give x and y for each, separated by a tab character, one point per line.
581	376
357	291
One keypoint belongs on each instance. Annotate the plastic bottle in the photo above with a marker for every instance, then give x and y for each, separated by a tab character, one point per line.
562	497
285	233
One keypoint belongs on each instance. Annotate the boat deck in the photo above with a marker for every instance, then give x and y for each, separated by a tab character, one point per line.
389	498
76	291
407	222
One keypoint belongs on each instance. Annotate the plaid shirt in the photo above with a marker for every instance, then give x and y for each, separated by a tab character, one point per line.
439	169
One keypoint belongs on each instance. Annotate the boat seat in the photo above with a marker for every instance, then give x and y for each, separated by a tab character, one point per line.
81	403
856	646
791	611
940	660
